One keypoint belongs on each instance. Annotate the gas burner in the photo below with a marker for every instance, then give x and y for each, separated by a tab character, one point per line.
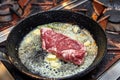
112	4
7	9
113	27
11	11
114	15
113	10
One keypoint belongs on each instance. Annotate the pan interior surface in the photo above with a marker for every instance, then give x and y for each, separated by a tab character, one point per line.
37	61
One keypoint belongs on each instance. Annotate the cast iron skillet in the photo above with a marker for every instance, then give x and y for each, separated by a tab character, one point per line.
25	26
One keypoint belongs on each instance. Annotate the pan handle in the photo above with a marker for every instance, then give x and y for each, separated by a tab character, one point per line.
3	51
5	74
3	57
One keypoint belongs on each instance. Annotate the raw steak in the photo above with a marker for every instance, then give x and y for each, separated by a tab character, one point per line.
62	46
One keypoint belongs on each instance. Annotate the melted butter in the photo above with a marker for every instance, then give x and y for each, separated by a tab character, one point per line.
28	40
36	32
52	60
87	43
55	65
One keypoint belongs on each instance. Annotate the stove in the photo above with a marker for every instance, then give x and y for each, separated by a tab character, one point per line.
104	12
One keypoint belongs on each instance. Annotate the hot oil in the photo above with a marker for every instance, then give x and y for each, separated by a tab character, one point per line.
34	57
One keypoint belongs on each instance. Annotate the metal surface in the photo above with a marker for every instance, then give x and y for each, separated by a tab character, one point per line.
78	3
4	73
111	74
4	34
63	4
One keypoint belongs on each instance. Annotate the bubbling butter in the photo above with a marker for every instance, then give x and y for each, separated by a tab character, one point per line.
48	65
53	61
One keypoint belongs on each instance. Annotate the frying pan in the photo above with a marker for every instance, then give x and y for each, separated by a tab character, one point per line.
28	24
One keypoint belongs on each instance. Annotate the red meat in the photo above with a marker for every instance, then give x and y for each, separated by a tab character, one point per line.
62	46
